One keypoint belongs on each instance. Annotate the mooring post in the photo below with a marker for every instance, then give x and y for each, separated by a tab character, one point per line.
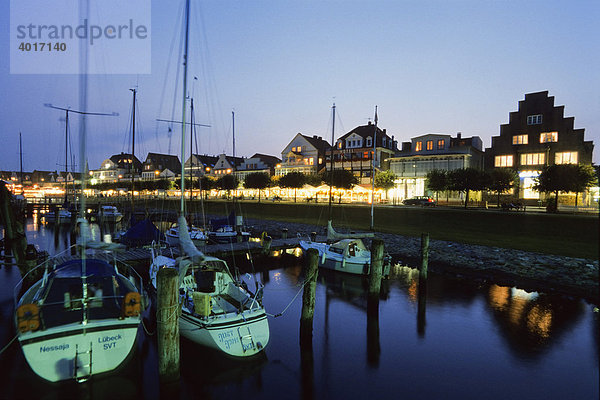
266	244
313	236
308	298
167	318
422	297
284	233
375	273
377	248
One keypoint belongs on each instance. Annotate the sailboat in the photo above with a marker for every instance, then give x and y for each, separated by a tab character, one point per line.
218	311
81	318
343	252
62	215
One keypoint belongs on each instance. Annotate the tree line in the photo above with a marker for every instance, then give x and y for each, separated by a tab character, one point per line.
552	179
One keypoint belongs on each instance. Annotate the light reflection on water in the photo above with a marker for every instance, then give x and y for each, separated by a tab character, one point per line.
473	340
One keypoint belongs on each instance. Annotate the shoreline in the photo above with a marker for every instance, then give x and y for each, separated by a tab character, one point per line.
527	270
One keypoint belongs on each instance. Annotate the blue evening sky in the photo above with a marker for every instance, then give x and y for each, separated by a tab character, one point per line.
430	66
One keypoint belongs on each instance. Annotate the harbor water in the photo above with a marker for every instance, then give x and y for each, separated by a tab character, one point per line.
469	340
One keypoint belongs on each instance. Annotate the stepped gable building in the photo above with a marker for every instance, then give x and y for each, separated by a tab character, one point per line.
432	151
160	166
537	135
305	154
354	151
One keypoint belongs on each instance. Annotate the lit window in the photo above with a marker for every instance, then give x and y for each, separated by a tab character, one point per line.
534	119
567	157
418	146
533	159
546	137
299	148
339	145
320	160
311	161
440	144
429	145
520	139
503	161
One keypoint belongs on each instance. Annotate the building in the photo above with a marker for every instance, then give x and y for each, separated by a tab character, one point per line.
160	166
224	165
432	151
257	163
537	135
199	165
354	151
305	154
115	168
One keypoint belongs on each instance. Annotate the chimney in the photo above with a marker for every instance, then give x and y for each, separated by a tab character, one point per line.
385	131
369	123
458	135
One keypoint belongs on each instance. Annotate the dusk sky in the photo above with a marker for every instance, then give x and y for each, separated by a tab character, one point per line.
430	66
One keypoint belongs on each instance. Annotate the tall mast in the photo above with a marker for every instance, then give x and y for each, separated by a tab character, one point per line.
21	162
331	159
131	168
373	169
191	148
66	153
233	129
185	65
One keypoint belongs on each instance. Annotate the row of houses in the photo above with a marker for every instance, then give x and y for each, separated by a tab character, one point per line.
537	134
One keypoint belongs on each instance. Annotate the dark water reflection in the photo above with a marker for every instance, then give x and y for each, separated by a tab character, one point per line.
467	340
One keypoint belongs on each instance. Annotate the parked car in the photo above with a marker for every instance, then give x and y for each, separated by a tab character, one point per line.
419	201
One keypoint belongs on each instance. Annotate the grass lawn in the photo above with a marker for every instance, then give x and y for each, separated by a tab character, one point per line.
562	234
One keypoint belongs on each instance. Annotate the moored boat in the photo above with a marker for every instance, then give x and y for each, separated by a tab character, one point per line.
80	319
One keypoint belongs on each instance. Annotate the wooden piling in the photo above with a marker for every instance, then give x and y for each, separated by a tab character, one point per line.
167	318
424	258
313	236
266	244
284	233
308	298
375	273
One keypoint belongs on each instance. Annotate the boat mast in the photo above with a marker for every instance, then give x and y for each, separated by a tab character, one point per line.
131	168
331	159
192	148
185	65
66	154
373	169
21	162
233	129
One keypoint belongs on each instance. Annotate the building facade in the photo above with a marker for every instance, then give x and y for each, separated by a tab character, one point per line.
430	152
160	166
537	135
257	163
305	154
117	167
354	151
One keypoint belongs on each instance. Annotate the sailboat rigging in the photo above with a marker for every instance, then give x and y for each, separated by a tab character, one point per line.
217	311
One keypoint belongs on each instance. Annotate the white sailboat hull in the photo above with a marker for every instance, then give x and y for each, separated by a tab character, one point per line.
52	353
356	265
237	336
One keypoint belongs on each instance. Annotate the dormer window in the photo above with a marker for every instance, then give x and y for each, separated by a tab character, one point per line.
383	142
369	141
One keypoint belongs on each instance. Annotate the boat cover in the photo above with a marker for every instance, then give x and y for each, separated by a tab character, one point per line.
217	223
142	233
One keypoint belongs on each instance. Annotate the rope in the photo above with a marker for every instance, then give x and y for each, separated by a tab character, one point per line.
293	299
8	345
172	315
146	329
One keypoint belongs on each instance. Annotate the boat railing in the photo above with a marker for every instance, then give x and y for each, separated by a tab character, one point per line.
48	264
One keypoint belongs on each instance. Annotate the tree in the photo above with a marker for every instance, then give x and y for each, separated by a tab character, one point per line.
257	180
314	179
293	180
554	179
437	181
586	177
501	180
227	182
466	180
341	179
385	180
